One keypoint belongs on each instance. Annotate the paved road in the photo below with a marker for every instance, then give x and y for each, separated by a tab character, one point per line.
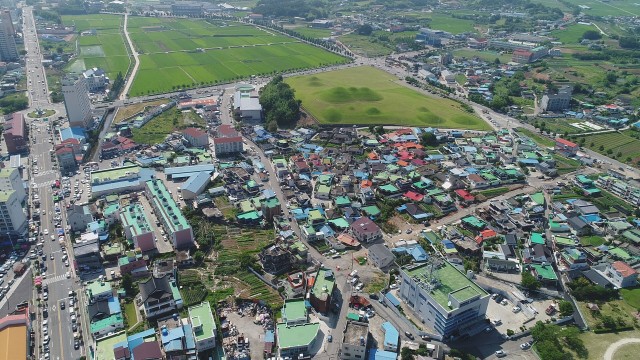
42	139
136	60
611	350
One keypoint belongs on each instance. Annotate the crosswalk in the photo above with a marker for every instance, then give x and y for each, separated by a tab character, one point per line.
54	279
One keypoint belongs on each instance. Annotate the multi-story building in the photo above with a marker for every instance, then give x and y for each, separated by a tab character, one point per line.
354	340
15	134
247	105
322	290
8	48
159	296
187	8
87	251
10	179
76	101
66	159
521	56
557	101
365	230
96	79
566	146
13	220
196	137
275	259
430	37
620	275
137	227
444	298
169	214
203	326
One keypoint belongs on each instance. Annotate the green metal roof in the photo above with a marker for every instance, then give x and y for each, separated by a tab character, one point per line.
546	271
297	335
536	238
204	327
294	310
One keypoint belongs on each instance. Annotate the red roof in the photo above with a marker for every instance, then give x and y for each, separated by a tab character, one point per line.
623	268
64	150
15	126
566	142
464	194
71	141
225	140
227	130
522	52
194	132
411	195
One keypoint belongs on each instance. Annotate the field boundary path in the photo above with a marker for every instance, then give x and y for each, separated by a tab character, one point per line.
134	52
611	350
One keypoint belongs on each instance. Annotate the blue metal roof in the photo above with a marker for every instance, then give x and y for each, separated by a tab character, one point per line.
377	354
189	169
392	299
391	334
72	133
195	183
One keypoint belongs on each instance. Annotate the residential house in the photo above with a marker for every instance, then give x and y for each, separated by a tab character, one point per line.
380	256
365	230
159	296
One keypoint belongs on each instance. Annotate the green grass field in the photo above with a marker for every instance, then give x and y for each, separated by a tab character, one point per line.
159	127
192	53
365	95
106	49
486	55
451	24
631	297
367	46
572	34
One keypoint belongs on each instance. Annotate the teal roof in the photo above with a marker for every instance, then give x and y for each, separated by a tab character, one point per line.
536	238
296	336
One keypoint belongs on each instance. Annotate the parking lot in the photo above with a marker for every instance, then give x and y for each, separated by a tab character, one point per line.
504	317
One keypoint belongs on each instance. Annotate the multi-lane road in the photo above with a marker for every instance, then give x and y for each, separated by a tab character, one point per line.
43	172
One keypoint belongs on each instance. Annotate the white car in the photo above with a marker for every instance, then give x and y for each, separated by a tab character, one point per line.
46	231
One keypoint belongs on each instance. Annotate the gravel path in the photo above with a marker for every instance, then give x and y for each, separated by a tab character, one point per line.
611	350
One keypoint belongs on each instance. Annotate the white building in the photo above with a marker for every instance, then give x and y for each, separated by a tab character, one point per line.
13	220
8	49
96	79
444	298
76	101
10	179
248	105
354	341
620	275
203	325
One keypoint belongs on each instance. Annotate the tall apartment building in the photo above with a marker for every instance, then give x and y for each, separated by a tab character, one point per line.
557	101
76	100
8	49
169	214
13	220
444	298
15	134
10	179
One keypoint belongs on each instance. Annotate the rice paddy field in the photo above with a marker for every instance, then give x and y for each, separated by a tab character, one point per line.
191	53
368	96
105	49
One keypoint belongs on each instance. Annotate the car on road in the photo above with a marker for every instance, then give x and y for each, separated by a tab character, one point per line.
330	338
45	340
408	334
45	296
76	344
526	345
62	304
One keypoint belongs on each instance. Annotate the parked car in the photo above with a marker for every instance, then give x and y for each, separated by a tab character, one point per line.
501	353
527	345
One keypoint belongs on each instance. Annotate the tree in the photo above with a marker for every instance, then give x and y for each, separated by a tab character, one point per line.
429	139
127	284
629	42
530	282
198	256
592	35
365	30
566	309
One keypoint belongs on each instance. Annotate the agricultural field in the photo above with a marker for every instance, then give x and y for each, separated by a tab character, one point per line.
620	145
191	53
106	49
237	243
333	98
450	24
367	46
571	34
158	128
